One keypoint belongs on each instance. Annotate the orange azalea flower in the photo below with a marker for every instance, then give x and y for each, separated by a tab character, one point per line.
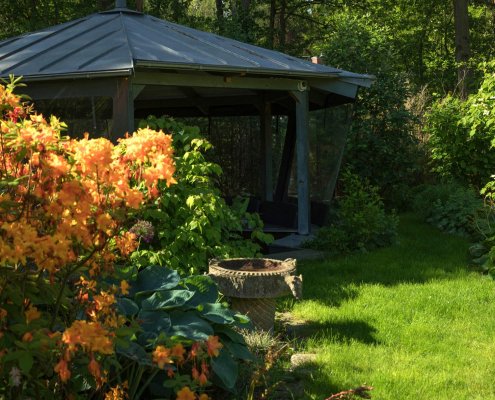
161	356
204	397
3	313
213	346
62	369
116	393
27	337
126	243
94	368
195	373
124	287
90	336
104	301
105	223
178	352
195	349
31	314
185	394
203	379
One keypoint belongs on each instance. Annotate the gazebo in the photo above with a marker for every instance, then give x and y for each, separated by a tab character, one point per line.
146	65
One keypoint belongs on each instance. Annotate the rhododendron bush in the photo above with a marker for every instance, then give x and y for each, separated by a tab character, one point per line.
64	208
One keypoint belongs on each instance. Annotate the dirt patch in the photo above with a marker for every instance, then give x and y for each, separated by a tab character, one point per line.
253	265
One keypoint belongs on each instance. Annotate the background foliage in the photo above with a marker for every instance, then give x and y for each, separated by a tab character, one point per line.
360	222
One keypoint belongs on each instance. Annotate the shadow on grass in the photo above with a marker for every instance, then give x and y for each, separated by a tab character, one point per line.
336	331
422	254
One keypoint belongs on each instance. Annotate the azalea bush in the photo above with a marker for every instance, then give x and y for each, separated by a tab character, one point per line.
65	209
190	223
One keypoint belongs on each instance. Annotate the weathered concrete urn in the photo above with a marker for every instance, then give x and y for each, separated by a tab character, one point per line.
253	284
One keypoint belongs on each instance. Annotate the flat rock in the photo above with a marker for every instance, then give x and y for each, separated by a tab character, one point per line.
300	359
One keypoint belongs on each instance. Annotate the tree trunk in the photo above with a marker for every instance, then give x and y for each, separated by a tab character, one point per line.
462	49
282	34
140	5
271	29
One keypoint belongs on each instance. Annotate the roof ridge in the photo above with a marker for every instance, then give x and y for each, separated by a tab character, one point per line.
127	39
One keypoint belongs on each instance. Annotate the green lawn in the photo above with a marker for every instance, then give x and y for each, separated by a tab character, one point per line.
409	320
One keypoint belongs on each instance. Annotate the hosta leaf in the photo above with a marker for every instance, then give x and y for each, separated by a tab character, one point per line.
167	299
154	321
217	313
154	278
189	325
225	370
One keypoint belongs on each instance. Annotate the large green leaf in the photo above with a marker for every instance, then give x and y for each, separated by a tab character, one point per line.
217	313
167	299
189	325
204	288
136	353
154	321
154	278
127	307
238	350
225	370
231	334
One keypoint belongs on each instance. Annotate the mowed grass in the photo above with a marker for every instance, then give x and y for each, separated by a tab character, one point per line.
410	320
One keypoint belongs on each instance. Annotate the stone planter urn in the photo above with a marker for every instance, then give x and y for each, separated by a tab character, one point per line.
253	284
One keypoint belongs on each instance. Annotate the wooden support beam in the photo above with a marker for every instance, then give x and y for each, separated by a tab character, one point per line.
70	89
266	150
302	153
239	82
341	87
136	90
198	101
123	110
195	99
281	192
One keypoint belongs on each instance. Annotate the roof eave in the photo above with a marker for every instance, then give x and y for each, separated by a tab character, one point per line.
75	75
232	69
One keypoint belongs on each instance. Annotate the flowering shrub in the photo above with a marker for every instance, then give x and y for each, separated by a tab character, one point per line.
64	205
192	221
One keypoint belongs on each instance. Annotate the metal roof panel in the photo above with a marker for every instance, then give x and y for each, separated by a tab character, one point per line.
119	40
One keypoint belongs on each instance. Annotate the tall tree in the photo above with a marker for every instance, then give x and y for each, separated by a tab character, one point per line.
462	45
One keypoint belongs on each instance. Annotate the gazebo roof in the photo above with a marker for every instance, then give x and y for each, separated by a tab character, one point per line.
119	41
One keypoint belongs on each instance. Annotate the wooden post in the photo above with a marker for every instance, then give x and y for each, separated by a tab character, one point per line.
267	150
123	110
302	154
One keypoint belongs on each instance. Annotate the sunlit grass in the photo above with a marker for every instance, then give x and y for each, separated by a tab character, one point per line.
410	320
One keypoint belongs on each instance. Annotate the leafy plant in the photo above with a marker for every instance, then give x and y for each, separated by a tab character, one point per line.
360	224
192	222
462	134
450	207
177	313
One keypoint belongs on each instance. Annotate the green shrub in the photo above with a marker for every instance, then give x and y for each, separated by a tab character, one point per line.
462	133
450	207
483	251
361	223
191	220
